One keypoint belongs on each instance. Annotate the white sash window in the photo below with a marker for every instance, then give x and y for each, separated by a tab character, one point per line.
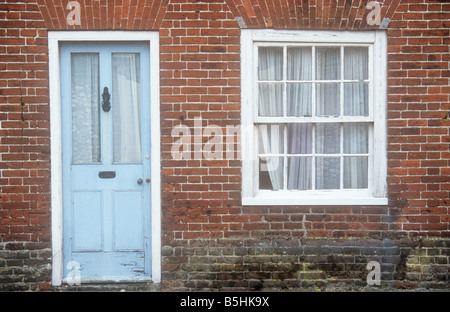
314	114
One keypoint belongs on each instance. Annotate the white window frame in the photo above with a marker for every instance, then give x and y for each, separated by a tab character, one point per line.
54	40
376	193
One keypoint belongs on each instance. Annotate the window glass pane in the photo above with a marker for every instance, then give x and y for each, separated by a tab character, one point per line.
299	173
356	137
271	139
328	63
355	172
299	99
270	64
270	100
126	103
299	63
328	99
327	173
328	138
299	139
356	63
356	99
85	108
271	173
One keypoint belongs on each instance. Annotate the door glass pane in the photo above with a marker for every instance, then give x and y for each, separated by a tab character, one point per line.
85	108
126	103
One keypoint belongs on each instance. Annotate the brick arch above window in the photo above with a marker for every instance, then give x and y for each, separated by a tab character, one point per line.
310	14
276	14
104	14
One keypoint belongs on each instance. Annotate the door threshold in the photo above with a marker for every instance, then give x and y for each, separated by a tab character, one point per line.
109	286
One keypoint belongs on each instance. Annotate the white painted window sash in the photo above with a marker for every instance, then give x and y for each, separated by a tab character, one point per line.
375	194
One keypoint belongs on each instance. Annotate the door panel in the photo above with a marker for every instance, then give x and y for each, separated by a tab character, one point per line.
87	221
106	194
127	238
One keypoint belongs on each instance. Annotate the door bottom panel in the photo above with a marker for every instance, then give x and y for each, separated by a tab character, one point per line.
111	266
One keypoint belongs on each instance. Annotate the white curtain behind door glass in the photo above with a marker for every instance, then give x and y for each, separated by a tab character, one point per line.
85	108
126	104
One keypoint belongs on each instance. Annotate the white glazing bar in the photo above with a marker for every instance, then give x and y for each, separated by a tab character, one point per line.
341	151
313	160
313	91
325	119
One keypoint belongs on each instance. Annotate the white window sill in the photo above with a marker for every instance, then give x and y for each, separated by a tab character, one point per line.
270	198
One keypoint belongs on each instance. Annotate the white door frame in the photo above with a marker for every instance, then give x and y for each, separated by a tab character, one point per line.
54	39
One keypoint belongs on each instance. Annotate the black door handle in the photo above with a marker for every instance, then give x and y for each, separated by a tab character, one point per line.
106	97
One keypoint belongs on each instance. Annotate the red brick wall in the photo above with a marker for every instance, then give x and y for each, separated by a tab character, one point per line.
209	239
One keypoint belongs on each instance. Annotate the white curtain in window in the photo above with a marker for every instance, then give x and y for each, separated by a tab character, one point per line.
299	68
299	102
328	167
85	108
270	94
355	167
299	168
356	103
356	94
272	143
270	68
328	62
126	107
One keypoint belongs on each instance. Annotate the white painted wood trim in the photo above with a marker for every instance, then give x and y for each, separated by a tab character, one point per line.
247	131
155	157
56	162
54	38
311	36
380	115
314	201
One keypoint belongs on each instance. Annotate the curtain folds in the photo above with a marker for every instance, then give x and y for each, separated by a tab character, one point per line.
126	107
85	108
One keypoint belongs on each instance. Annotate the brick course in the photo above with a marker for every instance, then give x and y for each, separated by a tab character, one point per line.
209	239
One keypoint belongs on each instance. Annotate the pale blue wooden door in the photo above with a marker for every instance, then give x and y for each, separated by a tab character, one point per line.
106	160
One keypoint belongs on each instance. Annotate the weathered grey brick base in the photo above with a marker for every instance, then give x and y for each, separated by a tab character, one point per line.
25	266
233	264
305	264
